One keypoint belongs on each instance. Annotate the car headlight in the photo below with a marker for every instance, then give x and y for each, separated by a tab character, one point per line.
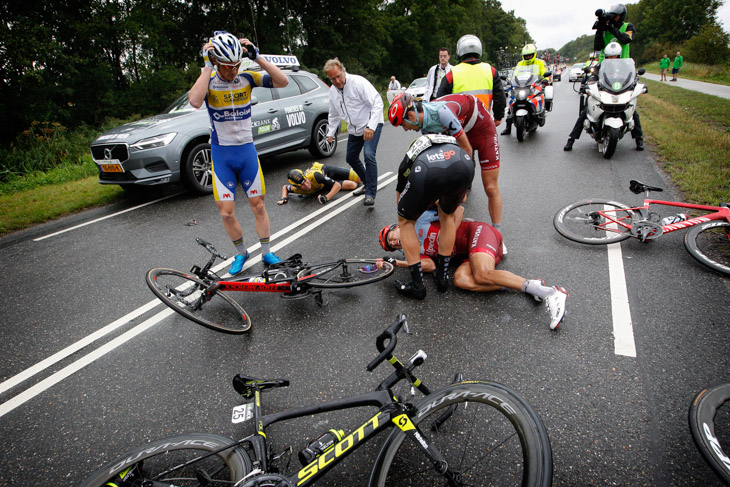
521	94
152	142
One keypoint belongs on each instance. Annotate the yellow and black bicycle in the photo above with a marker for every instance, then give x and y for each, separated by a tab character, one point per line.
471	433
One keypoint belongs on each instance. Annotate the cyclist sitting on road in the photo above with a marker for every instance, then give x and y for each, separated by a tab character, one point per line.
324	181
434	169
480	244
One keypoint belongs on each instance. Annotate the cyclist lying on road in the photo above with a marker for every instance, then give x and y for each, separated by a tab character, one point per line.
481	244
324	181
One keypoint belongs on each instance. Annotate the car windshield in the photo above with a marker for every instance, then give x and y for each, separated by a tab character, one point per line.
182	104
578	66
417	83
617	74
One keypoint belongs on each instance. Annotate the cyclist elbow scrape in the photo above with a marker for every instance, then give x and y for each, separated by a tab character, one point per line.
340	448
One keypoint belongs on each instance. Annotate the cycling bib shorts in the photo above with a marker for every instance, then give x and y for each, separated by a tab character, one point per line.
233	164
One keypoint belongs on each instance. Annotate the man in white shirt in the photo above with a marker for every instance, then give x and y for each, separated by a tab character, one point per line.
394	84
356	101
436	74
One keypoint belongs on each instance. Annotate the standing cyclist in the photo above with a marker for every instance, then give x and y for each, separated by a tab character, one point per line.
227	94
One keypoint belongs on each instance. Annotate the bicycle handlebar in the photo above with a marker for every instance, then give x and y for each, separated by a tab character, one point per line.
209	247
389	334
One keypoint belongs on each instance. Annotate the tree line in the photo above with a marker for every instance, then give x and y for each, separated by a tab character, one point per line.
76	62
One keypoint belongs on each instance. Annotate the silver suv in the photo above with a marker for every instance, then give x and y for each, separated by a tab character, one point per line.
174	146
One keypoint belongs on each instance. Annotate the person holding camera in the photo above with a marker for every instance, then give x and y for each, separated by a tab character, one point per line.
226	93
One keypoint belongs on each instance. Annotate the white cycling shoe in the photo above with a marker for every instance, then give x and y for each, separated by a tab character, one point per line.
555	304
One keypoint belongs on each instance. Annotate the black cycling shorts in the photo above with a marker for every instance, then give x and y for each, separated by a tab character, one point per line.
441	173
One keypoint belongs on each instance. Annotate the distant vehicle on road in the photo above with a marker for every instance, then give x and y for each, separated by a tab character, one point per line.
174	146
417	88
576	72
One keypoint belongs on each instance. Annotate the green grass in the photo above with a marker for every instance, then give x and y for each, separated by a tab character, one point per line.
690	132
697	72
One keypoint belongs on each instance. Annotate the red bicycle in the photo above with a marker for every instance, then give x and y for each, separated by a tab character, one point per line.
601	222
200	296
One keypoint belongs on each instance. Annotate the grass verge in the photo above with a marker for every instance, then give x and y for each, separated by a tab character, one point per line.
690	132
697	72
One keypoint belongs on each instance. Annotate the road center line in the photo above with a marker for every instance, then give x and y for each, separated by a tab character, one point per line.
623	329
74	367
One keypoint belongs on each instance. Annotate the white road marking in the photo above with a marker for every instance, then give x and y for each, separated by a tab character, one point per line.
104	218
74	367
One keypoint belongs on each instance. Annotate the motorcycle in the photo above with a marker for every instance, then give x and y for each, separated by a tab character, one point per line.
529	100
611	102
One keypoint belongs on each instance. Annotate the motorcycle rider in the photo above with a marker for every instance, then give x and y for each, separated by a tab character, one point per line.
529	58
612	51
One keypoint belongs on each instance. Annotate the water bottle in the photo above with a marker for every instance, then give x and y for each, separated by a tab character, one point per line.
257	279
319	445
679	217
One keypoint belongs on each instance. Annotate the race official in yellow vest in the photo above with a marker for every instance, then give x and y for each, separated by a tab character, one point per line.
472	76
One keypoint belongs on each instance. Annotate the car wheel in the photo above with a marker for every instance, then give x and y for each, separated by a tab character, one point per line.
320	147
198	170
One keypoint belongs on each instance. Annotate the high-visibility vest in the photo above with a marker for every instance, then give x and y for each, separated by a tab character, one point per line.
608	37
474	79
537	65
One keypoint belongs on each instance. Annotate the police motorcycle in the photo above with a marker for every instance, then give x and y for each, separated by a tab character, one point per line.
530	98
611	102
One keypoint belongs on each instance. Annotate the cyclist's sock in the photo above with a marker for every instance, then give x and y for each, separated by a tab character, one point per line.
442	273
536	288
240	247
265	245
416	276
498	226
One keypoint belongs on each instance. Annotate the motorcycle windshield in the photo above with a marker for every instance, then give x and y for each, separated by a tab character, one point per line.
617	75
523	76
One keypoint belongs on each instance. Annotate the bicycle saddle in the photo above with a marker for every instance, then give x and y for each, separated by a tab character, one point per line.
637	187
246	386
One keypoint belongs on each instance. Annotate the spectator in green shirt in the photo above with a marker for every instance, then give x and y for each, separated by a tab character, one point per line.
663	65
678	62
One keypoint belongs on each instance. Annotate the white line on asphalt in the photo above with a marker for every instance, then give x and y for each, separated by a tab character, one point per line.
57	377
104	218
623	329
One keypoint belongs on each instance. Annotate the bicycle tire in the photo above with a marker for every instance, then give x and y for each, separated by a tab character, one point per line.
709	243
148	461
515	448
702	415
344	273
219	313
581	223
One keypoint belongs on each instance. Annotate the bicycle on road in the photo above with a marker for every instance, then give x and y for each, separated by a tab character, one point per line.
471	433
709	413
601	222
200	295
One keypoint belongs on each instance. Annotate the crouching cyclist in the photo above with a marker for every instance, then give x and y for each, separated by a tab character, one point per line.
321	180
481	245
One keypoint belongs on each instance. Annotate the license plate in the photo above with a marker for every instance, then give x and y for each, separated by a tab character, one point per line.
111	167
242	413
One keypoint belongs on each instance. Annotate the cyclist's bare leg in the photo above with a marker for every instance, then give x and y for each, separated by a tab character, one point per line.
409	240
447	234
263	229
227	210
348	185
478	274
490	182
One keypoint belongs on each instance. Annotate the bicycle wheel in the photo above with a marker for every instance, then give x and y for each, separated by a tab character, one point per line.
148	462
494	437
710	244
345	273
594	222
705	413
184	293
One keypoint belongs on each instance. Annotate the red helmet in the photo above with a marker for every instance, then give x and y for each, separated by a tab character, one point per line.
399	108
383	237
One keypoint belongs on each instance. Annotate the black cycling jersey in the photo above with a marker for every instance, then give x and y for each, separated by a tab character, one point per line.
434	168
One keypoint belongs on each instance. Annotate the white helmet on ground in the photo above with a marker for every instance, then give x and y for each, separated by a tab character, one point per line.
468	44
612	49
226	48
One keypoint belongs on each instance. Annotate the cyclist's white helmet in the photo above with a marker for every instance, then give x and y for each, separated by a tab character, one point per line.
226	48
612	49
468	44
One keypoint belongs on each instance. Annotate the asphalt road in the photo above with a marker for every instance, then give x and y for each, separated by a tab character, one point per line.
613	419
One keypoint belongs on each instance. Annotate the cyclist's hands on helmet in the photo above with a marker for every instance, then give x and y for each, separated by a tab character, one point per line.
249	49
207	56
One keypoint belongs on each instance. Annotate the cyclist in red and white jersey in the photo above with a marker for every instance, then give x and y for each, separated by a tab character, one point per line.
480	244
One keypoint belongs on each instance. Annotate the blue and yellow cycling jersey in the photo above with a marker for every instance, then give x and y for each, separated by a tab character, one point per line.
229	106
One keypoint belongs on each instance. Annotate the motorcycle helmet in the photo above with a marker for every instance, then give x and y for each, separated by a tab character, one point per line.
399	108
528	52
295	177
226	48
612	49
617	9
468	44
383	237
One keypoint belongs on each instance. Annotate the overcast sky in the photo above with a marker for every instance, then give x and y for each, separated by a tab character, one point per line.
553	23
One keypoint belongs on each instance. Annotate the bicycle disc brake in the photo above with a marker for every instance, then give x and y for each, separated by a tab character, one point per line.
268	480
646	230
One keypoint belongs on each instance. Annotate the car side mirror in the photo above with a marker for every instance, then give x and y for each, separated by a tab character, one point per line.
254	100
641	71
